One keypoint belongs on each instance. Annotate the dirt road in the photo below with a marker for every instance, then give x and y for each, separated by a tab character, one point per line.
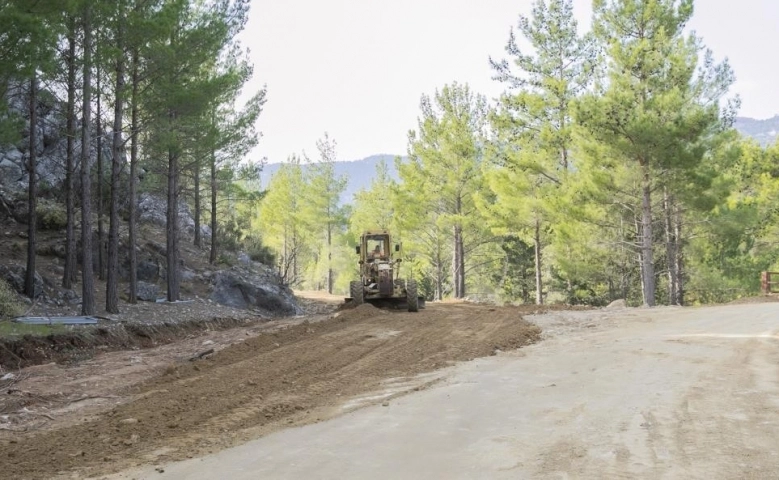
303	371
662	393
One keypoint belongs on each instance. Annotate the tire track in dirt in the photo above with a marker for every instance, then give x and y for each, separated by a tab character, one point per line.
297	375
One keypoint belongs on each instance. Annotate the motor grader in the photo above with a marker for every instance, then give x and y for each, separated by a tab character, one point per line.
379	282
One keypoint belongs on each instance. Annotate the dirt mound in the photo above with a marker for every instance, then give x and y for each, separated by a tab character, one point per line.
296	375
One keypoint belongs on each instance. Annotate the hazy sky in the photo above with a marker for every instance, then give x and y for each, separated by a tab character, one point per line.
357	68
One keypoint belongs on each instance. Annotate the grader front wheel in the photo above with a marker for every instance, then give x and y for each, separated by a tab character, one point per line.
356	292
411	296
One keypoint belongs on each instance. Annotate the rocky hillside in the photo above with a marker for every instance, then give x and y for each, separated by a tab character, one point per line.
237	281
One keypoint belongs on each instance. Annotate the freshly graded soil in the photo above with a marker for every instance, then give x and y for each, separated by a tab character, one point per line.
257	381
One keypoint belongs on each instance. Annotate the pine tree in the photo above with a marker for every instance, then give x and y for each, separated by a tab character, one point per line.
373	207
117	151
444	172
533	123
323	210
281	218
654	110
87	274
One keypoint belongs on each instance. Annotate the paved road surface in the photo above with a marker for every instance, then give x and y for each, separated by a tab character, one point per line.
664	393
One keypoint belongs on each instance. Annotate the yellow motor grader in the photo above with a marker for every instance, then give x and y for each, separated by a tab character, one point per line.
379	284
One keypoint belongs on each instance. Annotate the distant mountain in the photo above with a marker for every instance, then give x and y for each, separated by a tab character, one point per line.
359	173
764	131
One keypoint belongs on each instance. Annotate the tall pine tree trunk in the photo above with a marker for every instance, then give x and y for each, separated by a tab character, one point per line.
99	182
173	225
458	271
671	248
537	251
212	254
679	257
198	241
133	241
330	276
647	257
70	235
29	278
112	294
87	274
439	272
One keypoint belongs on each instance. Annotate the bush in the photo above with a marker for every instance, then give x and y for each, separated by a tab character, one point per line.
9	301
259	252
51	216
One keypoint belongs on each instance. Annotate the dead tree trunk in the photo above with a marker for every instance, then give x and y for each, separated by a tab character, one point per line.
29	278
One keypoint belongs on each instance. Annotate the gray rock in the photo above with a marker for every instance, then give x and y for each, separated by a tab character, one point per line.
186	275
14	275
148	292
244	258
10	171
241	288
153	209
69	296
148	271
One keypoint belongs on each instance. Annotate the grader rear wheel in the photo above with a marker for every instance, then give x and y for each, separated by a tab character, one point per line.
356	292
411	296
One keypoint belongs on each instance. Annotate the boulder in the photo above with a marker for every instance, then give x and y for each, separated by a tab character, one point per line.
69	297
14	275
617	304
148	271
148	292
242	288
153	209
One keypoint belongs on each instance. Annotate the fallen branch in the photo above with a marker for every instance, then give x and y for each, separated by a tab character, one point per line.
202	354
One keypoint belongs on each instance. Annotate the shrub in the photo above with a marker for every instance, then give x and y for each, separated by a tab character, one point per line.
259	252
9	301
51	216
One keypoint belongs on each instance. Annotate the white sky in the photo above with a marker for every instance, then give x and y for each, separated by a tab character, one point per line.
357	68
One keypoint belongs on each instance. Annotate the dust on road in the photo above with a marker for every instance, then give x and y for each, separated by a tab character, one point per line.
292	376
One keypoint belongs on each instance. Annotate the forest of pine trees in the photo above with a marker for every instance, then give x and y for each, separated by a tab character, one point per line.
152	82
607	169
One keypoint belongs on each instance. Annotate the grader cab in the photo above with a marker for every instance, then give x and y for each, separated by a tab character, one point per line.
379	283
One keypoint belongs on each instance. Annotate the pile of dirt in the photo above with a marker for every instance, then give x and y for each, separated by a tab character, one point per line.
292	376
